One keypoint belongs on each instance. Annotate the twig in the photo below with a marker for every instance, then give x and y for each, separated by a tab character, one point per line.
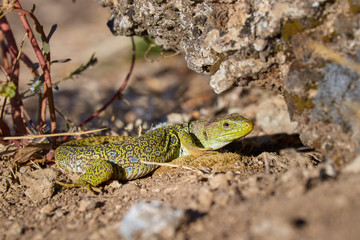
44	60
3	109
54	135
267	165
19	52
68	120
151	46
5	98
4	51
167	165
119	91
16	101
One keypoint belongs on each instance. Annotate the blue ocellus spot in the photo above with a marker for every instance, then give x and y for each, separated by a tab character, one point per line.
148	149
134	159
112	161
112	154
129	169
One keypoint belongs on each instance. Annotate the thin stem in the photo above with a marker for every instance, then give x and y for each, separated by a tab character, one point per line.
118	94
15	102
44	61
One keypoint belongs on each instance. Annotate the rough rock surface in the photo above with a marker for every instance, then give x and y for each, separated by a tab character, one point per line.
306	50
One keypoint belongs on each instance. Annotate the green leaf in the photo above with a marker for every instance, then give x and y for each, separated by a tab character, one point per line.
46	47
33	8
52	30
8	90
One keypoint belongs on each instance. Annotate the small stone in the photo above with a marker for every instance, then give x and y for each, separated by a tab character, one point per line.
169	190
151	220
218	181
4	185
49	173
230	176
176	118
119	124
16	229
273	117
48	209
274	228
130	117
138	122
89	215
281	57
85	205
354	166
41	189
7	173
205	198
24	169
143	191
222	199
59	212
25	179
114	184
259	44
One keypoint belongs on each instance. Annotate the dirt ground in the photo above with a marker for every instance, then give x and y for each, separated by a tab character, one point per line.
266	186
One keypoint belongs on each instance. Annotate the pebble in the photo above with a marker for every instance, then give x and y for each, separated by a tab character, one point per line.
259	44
176	118
222	199
49	173
354	166
272	117
41	189
16	229
151	220
48	210
218	181
60	212
143	191
85	205
205	198
4	185
230	176
115	184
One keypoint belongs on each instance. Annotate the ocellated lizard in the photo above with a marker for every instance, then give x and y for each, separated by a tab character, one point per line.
99	159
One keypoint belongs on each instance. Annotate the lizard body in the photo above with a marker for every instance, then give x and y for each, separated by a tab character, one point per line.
99	159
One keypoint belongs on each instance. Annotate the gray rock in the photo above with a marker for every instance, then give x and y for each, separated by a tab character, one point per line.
151	220
272	117
275	44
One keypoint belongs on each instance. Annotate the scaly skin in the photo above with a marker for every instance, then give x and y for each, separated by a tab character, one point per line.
100	159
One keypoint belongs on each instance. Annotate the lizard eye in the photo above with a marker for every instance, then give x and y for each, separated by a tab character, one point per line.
226	124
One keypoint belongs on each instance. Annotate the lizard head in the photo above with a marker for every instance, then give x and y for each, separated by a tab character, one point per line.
222	130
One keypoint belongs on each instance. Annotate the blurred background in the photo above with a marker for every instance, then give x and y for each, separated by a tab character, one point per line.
161	87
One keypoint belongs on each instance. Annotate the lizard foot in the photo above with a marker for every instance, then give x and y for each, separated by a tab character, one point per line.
83	185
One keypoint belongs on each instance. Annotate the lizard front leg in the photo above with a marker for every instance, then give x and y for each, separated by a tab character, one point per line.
98	172
187	141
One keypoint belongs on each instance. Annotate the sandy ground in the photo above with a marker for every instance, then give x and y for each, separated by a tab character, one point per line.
267	186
